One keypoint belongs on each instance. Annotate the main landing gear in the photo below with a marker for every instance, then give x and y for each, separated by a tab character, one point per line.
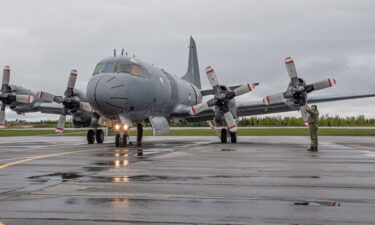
123	140
224	136
92	136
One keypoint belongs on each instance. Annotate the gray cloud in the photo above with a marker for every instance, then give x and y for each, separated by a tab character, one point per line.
244	40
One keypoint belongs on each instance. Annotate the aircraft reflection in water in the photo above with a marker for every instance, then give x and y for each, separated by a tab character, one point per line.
120	179
121	163
125	92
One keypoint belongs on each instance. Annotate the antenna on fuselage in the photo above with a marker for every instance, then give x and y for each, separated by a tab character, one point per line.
122	52
114	52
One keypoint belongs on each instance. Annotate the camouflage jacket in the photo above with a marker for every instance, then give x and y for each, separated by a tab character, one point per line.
313	115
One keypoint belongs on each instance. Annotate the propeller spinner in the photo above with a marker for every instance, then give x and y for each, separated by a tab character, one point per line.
221	99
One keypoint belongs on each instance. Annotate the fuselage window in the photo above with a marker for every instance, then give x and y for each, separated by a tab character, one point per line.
136	70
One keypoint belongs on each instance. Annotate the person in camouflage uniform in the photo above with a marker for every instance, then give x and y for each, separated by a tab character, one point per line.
313	126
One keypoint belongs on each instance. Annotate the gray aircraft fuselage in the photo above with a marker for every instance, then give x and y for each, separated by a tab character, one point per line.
126	86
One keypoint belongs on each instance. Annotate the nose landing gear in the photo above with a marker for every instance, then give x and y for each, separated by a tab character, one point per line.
122	140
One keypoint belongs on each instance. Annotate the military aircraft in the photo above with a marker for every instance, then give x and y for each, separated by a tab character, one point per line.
124	92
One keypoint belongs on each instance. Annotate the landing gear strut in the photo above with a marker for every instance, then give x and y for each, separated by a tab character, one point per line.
224	136
139	134
92	135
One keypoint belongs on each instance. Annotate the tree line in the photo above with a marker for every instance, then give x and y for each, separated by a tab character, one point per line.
325	120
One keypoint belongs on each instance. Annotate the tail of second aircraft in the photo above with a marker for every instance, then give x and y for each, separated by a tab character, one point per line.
192	75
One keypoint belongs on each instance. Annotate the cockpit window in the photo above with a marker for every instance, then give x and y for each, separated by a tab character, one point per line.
136	70
123	68
109	68
130	68
112	67
105	68
99	68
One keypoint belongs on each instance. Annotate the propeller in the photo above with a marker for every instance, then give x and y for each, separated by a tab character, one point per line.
221	99
70	101
8	96
297	91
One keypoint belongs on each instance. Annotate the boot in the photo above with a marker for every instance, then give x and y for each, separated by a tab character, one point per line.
312	149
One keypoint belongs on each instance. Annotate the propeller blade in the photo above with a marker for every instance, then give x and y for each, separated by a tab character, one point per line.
290	67
72	79
45	96
201	107
6	75
2	117
273	98
27	99
244	89
324	84
305	115
212	76
231	123
61	124
86	106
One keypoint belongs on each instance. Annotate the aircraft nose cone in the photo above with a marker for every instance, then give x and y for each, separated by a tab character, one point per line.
107	94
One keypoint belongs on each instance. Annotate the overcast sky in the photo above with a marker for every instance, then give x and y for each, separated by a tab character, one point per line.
244	40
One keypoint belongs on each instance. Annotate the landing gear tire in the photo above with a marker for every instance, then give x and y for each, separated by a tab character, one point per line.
99	136
122	140
125	140
117	140
90	136
233	137
224	134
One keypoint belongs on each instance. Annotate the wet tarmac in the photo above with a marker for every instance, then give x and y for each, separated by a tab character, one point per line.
187	180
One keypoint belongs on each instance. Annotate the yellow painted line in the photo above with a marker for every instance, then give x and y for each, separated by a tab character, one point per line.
50	155
1	160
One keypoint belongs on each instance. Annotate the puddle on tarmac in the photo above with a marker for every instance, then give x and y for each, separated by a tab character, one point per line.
315	177
63	176
228	150
318	203
140	178
94	169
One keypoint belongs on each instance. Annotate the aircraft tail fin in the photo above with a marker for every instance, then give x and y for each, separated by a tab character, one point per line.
192	75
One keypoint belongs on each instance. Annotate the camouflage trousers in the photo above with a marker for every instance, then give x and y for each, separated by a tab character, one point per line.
314	135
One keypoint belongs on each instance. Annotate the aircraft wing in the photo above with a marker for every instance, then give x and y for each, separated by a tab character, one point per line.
259	108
